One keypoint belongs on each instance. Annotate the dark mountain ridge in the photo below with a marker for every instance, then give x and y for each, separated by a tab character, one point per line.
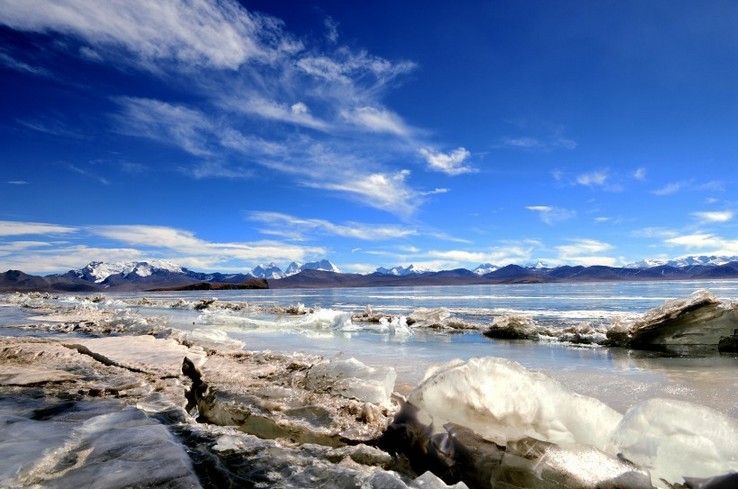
184	279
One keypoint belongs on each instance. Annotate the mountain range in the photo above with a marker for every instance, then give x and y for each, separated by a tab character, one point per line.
159	274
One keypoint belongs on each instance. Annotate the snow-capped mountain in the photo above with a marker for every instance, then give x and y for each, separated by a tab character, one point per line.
324	265
98	271
295	267
686	261
268	271
485	268
400	271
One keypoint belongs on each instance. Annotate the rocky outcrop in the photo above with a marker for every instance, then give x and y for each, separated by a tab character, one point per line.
275	396
113	412
699	321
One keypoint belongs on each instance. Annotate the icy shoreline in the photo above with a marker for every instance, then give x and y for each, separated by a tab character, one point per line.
110	392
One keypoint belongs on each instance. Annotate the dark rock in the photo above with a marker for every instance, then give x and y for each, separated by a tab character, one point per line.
729	344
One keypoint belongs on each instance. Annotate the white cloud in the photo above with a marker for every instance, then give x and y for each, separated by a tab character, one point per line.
86	173
13	63
669	189
167	123
237	70
695	241
331	29
586	252
55	127
499	255
344	65
713	216
296	227
177	243
376	120
297	113
593	179
551	215
580	246
450	163
381	190
145	235
142	242
196	32
712	186
640	174
539	144
19	228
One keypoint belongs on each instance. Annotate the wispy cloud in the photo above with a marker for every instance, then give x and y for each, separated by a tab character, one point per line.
600	179
44	257
703	243
654	232
137	242
538	144
669	188
297	113
191	33
501	255
586	252
88	174
713	216
551	215
344	65
640	174
255	94
19	228
446	259
690	185
381	190
17	182
450	163
376	120
182	245
167	123
296	228
9	61
331	29
54	127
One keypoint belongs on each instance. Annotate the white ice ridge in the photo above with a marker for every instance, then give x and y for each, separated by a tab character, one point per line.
675	439
503	402
352	379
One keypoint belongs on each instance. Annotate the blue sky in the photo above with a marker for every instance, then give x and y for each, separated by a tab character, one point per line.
221	135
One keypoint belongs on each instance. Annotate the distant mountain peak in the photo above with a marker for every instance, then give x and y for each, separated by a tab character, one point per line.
296	267
268	271
324	265
400	271
98	271
685	261
485	268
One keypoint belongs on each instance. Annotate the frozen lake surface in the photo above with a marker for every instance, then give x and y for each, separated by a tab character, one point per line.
259	320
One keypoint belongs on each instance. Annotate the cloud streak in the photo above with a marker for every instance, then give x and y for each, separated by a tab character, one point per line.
191	33
586	252
263	97
713	216
297	228
19	228
450	163
552	215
